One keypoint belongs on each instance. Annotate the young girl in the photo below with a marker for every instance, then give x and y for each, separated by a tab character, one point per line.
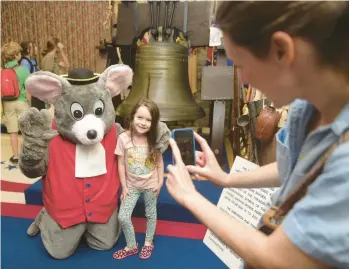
141	170
10	55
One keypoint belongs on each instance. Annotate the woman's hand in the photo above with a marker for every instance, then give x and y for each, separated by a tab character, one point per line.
200	158
207	166
179	183
124	193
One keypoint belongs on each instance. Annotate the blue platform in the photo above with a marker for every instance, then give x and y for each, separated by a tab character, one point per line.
168	208
21	251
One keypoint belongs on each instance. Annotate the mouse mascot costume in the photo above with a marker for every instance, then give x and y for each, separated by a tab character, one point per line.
74	154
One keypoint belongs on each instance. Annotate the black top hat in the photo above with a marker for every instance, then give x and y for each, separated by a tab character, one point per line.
81	76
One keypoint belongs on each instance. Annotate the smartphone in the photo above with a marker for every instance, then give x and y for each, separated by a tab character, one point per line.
185	140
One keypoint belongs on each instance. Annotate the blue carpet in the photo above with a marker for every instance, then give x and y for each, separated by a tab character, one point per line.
20	251
168	208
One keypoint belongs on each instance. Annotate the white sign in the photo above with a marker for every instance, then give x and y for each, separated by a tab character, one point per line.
216	36
244	205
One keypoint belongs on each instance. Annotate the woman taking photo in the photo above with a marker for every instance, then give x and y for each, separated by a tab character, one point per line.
295	53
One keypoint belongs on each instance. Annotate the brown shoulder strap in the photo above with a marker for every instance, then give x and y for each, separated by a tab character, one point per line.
309	178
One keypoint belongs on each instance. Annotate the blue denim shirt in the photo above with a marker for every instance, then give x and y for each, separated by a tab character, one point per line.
26	64
319	223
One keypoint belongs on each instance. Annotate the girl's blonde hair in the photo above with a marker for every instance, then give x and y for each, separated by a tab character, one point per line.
9	52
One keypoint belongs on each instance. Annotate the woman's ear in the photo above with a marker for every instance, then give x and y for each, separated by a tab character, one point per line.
46	86
116	78
282	48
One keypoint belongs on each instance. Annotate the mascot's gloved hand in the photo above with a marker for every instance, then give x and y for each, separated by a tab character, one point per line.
119	129
36	128
162	137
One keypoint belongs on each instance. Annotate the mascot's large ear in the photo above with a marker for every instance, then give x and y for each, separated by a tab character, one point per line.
46	86
116	78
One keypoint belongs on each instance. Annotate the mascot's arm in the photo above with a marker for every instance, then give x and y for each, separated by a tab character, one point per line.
119	130
36	129
163	137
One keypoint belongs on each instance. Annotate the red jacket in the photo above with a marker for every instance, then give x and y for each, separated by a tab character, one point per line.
71	200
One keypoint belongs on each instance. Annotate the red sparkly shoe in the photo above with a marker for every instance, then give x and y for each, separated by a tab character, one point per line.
123	253
146	252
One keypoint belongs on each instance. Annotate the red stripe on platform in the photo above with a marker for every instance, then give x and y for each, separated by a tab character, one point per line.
165	228
13	186
172	228
19	210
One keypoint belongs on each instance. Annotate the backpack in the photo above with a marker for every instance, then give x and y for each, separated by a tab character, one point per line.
9	84
32	66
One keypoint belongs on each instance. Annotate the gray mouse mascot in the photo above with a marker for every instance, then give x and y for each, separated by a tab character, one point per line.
74	154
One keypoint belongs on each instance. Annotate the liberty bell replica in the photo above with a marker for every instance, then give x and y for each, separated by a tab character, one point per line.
161	75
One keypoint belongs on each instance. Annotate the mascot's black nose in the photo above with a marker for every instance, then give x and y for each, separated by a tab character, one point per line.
91	134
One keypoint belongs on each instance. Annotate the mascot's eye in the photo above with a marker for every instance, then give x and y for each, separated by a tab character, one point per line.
98	108
77	111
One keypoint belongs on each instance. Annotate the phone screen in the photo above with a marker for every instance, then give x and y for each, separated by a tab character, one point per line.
185	142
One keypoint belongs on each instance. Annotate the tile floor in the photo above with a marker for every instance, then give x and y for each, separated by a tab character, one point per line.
11	175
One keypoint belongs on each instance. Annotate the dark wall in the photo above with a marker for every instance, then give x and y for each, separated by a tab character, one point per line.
197	26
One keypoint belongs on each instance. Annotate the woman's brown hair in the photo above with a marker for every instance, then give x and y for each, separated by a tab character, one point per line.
26	46
325	24
50	45
155	117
